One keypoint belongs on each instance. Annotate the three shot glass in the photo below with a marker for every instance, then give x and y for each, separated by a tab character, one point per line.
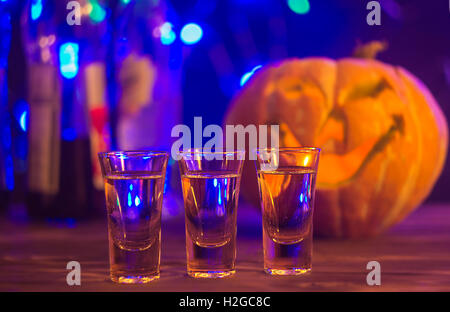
134	184
286	180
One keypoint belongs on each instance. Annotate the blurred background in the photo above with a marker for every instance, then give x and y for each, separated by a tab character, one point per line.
122	74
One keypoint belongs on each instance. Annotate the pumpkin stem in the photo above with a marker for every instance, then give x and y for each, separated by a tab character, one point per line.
370	49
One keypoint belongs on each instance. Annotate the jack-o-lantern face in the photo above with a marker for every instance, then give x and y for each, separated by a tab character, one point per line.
382	135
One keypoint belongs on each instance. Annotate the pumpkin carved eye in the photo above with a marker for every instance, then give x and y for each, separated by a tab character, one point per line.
292	88
371	89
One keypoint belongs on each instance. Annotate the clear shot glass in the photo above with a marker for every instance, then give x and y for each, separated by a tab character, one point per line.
210	183
286	179
134	185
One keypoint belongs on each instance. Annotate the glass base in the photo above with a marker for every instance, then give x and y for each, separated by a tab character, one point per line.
210	274
140	279
293	271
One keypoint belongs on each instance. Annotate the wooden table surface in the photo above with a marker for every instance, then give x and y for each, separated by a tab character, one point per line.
414	256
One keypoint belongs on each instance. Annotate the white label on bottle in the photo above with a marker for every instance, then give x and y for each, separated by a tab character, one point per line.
94	75
137	76
44	129
99	131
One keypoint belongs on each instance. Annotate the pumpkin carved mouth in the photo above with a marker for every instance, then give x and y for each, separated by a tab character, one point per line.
337	169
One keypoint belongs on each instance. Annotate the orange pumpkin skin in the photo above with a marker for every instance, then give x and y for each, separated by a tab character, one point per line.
383	137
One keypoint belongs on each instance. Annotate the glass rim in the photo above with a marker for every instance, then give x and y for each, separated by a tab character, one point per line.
134	153
303	149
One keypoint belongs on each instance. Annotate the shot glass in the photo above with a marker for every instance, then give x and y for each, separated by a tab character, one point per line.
134	185
286	179
210	183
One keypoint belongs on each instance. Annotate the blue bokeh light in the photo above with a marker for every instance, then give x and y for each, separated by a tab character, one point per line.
191	33
168	36
20	112
247	75
68	59
129	201
23	121
36	9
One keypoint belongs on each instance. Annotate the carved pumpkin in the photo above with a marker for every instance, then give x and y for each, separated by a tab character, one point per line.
382	134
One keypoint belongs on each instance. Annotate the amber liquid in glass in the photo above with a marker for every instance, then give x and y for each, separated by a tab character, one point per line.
133	202
287	209
210	200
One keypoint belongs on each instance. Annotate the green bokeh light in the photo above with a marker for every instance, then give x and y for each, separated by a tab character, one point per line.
97	14
299	6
